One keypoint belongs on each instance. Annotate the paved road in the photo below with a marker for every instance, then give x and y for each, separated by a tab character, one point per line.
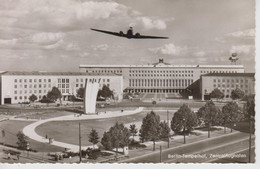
222	144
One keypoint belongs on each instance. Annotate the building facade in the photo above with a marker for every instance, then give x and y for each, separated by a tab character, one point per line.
17	87
160	77
226	82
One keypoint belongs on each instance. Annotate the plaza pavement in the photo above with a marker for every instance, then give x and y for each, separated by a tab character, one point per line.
29	130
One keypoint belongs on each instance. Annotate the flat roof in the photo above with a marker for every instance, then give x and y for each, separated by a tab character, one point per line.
231	74
42	73
163	65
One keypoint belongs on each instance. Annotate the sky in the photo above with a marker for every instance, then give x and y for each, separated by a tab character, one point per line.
47	35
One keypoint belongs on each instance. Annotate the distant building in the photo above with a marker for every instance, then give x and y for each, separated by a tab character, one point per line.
160	77
17	87
226	82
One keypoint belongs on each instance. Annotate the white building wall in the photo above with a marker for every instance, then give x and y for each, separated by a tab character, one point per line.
19	88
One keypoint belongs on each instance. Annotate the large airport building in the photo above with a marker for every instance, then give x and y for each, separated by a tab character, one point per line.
17	87
160	77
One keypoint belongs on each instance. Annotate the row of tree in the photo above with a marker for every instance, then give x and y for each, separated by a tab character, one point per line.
235	94
55	95
183	122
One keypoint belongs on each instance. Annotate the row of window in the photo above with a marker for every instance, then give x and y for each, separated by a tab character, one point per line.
82	80
162	75
31	80
63	80
160	82
230	85
24	98
217	71
104	71
33	86
231	80
160	71
30	91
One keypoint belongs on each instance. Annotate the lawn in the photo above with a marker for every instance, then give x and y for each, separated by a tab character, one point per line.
67	131
12	127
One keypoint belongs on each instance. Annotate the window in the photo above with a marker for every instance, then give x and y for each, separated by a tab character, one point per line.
214	80
44	80
15	80
20	80
49	80
25	86
59	80
40	80
35	80
77	85
30	80
15	98
107	80
15	92
15	86
40	91
40	85
67	80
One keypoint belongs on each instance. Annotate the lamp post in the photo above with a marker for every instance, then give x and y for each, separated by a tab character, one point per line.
168	122
27	148
80	155
184	128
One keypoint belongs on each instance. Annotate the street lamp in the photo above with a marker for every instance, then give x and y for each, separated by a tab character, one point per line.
184	128
27	148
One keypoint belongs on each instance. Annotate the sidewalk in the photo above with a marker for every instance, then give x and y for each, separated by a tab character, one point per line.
30	129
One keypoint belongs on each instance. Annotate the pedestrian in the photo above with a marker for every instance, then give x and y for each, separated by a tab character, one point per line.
46	136
18	156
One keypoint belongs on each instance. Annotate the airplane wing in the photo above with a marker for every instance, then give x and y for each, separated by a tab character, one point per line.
108	32
149	37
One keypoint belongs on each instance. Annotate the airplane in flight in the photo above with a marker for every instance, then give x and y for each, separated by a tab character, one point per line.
129	34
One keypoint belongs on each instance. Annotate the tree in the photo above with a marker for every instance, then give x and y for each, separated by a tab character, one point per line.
22	141
209	114
106	141
32	98
165	130
73	99
237	94
231	114
54	94
250	106
133	130
150	129
183	121
105	92
216	93
93	137
80	92
117	136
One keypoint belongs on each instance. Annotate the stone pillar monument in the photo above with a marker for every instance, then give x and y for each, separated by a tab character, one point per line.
90	96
